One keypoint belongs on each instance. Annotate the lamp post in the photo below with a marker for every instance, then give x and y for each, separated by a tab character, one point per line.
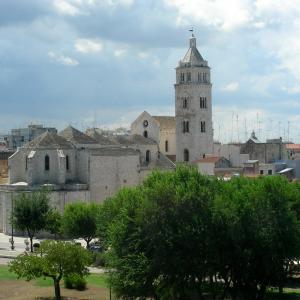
11	240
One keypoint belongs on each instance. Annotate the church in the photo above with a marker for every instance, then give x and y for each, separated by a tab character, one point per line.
188	136
89	167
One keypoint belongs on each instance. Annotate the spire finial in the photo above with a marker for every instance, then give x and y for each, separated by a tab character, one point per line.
192	39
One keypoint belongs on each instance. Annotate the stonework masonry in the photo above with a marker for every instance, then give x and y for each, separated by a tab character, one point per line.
193	107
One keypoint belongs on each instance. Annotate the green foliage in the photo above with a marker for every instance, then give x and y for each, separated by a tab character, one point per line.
30	212
260	234
75	281
79	221
181	234
53	259
54	222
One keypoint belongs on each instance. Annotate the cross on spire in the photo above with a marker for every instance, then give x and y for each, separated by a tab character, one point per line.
192	31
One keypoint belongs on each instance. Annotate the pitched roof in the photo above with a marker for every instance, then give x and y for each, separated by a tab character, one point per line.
292	146
49	140
77	137
209	159
193	57
113	151
166	122
100	138
133	139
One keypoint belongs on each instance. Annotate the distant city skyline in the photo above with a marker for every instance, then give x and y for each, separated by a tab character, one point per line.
102	62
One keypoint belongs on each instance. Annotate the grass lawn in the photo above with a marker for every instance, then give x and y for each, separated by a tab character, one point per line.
19	289
96	287
93	279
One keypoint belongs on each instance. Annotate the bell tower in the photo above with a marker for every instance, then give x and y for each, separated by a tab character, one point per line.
193	106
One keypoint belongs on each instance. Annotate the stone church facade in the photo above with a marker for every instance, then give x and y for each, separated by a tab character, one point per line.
188	136
77	166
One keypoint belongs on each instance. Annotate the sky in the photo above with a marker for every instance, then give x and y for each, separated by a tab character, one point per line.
100	63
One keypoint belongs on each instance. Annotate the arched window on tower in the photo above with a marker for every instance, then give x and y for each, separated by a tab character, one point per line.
145	133
147	156
47	163
186	155
184	103
185	126
67	163
166	146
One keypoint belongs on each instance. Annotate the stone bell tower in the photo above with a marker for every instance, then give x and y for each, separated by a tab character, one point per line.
193	106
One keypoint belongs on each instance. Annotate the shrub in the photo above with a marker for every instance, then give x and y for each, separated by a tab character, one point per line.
75	281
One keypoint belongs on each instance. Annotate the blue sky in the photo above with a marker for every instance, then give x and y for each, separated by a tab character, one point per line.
103	62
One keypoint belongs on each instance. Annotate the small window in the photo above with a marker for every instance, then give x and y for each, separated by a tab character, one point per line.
186	155
181	77
47	163
203	102
145	133
189	77
147	156
67	163
202	126
261	172
199	77
185	103
270	172
26	163
166	146
185	126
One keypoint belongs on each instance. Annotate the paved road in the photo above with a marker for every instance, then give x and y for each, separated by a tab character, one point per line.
4	261
6	254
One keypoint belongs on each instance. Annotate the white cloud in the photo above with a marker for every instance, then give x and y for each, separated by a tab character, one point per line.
224	15
66	7
119	52
64	60
231	87
292	90
143	55
88	46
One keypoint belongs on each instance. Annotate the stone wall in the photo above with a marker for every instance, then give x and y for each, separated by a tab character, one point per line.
264	152
58	198
170	136
110	173
152	128
195	141
34	171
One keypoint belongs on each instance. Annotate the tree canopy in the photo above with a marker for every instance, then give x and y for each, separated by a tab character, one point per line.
54	259
79	221
180	235
30	212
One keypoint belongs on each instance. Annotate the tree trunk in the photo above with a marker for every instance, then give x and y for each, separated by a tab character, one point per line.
57	289
88	240
31	243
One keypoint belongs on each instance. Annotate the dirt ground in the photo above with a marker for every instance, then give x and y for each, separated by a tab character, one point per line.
22	290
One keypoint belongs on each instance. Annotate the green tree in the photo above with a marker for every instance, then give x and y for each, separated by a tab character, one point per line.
256	235
30	212
54	222
54	259
180	234
160	238
79	221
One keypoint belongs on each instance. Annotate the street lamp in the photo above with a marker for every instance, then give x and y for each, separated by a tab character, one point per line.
11	240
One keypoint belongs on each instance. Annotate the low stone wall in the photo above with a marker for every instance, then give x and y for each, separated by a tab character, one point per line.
59	197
